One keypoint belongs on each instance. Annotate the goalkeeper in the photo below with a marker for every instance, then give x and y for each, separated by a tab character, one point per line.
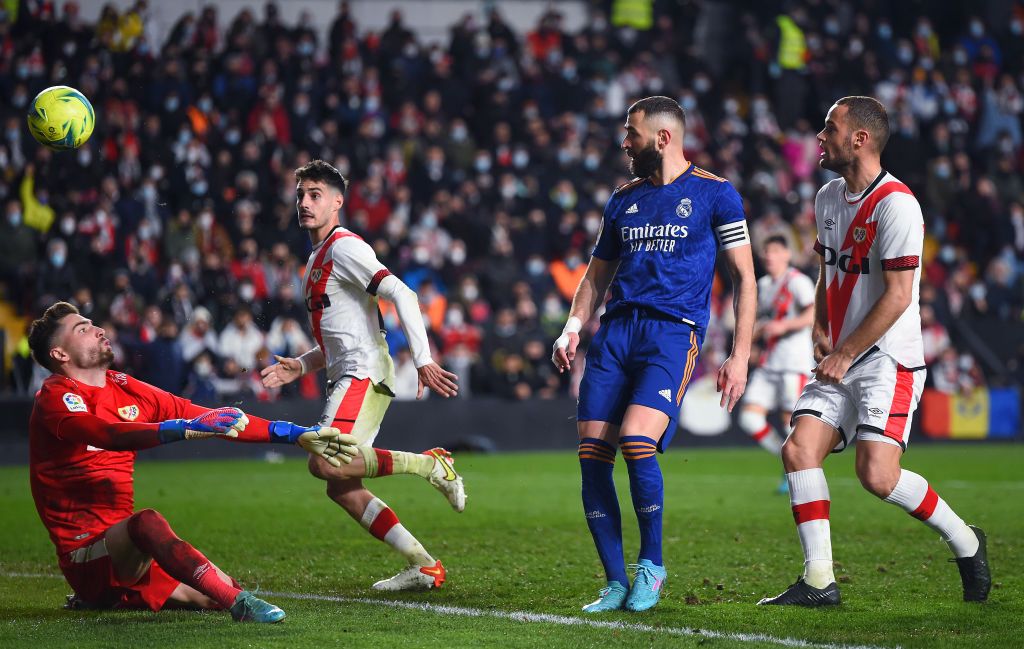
86	426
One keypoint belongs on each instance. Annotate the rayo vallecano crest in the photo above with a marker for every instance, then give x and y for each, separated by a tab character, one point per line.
859	234
316	274
129	413
684	209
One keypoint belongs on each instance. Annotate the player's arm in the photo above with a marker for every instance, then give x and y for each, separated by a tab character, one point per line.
588	297
732	377
819	329
407	305
286	370
86	428
802	320
898	293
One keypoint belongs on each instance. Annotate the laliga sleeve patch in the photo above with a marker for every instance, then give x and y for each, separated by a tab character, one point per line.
74	402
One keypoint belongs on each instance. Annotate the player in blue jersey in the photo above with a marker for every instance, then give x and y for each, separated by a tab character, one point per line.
657	248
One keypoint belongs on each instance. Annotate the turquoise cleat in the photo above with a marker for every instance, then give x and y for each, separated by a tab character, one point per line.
611	599
783	488
249	608
647	585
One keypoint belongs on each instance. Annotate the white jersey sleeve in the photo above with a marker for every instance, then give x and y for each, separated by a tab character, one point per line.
803	291
356	263
900	232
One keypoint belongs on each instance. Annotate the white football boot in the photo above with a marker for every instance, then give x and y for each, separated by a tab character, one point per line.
414	578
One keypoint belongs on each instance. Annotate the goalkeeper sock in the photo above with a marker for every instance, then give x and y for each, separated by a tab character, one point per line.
913	494
601	505
809	498
648	491
380	521
151	534
380	462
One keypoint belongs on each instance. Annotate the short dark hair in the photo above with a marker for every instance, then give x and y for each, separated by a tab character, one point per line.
869	114
659	105
776	238
324	172
42	331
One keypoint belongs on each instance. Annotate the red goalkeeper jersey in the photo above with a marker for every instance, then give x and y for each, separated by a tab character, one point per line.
79	488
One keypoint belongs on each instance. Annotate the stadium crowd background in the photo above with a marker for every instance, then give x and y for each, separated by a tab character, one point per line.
479	169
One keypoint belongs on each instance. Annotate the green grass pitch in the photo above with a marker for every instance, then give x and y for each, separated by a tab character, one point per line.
522	546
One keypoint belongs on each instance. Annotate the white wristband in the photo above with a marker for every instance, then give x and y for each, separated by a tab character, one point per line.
305	367
572	326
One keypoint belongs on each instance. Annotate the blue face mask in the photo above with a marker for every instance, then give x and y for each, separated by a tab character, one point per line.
58	259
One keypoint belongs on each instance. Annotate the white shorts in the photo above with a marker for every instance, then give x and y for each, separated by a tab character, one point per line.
875	401
357	406
772	389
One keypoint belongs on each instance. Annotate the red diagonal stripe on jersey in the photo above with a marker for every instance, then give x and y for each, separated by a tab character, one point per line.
783	298
318	288
838	294
812	511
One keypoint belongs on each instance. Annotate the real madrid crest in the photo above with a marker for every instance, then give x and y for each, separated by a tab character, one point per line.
684	209
129	413
316	274
859	234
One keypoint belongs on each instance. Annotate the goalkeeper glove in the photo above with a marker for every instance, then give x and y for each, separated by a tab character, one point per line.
324	441
224	422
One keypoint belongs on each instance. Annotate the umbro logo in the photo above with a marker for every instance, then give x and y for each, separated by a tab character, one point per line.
667	394
876	411
829	223
632	209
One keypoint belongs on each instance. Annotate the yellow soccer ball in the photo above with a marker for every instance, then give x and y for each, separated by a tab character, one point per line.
61	118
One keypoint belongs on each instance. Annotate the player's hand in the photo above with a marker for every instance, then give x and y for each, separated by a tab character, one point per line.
822	347
438	379
329	443
284	371
833	367
773	329
732	381
220	422
563	352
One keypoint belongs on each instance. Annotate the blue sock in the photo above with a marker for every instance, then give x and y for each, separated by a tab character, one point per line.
648	491
601	506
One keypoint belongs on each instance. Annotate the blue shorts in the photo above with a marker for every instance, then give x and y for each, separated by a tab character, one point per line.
638	358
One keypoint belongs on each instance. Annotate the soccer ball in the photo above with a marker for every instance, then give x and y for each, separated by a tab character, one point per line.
61	118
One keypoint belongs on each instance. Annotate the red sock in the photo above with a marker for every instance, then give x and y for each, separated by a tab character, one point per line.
151	534
385	466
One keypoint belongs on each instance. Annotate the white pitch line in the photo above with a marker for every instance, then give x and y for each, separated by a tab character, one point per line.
565	620
525	616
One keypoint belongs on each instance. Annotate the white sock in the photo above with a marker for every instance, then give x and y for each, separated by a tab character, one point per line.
809	498
381	522
915	497
756	425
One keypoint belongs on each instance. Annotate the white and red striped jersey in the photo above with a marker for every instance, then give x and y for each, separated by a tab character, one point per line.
340	289
782	299
860	237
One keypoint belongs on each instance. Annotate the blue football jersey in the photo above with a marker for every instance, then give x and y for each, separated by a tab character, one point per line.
666	238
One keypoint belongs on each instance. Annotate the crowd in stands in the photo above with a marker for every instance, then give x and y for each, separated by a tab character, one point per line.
479	168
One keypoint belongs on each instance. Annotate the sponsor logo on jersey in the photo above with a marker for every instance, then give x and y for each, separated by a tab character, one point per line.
653	238
75	403
316	274
128	413
632	209
845	262
120	378
667	394
859	234
684	209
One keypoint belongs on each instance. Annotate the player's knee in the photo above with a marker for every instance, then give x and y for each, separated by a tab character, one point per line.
797	456
879	481
752	421
144	522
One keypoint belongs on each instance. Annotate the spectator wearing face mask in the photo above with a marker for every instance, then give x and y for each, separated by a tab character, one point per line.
56	277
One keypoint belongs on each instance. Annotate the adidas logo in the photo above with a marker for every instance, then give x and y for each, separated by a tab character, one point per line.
650	509
595	514
667	394
632	209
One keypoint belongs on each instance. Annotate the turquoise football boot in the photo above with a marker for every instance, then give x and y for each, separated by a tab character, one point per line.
611	599
249	608
647	585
